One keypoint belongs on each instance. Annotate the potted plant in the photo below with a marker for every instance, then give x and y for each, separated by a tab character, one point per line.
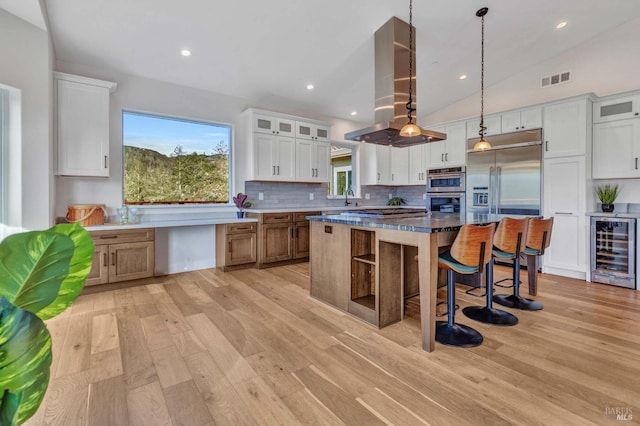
241	203
607	195
41	274
396	201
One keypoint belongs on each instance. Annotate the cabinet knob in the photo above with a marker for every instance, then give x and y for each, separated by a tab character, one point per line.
637	113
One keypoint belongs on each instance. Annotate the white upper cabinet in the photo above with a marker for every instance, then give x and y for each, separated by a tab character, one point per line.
493	123
616	149
312	161
616	109
399	165
418	164
312	131
565	128
82	119
524	119
451	151
274	157
287	148
274	125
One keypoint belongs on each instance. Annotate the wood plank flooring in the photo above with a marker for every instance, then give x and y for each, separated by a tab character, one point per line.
251	347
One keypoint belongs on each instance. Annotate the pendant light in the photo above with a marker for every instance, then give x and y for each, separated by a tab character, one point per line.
482	144
410	130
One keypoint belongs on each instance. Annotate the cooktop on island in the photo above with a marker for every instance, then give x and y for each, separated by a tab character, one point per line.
387	212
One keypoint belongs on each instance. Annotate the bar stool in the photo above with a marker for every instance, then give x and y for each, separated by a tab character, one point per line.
507	242
537	240
470	252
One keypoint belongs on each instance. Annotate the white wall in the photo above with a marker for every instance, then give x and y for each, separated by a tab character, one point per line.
607	64
177	249
25	66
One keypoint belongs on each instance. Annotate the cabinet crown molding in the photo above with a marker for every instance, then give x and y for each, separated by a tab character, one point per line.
86	80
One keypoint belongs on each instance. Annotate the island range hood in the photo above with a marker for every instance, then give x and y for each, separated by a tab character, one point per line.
392	90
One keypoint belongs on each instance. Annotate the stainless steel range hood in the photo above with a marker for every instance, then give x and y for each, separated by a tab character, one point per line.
392	90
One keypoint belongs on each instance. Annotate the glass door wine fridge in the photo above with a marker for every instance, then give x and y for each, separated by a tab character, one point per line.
613	251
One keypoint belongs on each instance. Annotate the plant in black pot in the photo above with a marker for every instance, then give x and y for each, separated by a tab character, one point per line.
241	203
607	195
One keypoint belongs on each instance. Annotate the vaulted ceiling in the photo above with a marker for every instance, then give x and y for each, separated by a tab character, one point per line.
268	51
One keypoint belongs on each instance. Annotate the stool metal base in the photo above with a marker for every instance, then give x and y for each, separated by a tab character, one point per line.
457	335
517	302
490	316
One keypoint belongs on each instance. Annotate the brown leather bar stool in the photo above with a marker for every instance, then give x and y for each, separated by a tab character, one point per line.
537	240
507	243
470	252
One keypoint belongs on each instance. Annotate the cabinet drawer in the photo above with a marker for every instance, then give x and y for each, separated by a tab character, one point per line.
277	217
241	228
301	216
122	236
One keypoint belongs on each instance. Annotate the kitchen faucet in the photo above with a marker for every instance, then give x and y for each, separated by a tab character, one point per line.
346	196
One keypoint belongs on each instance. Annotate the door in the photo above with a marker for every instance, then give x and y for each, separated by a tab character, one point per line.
130	261
99	273
480	169
518	180
276	242
616	149
241	249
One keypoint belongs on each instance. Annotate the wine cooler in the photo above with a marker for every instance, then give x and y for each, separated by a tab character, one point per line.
613	251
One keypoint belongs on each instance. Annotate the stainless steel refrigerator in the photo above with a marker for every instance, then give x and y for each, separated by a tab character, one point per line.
508	178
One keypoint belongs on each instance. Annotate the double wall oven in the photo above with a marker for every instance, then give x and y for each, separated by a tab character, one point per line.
446	190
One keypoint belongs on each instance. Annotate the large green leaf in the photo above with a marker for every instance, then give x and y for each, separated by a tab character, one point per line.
79	268
25	359
33	266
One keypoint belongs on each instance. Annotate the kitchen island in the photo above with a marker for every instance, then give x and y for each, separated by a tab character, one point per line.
364	265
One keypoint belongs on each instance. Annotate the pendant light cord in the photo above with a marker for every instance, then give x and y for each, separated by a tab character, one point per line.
482	126
410	108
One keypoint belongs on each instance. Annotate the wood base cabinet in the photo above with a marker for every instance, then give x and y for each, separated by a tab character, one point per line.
122	255
236	245
282	237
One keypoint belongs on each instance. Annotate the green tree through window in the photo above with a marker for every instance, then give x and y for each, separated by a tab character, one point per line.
170	160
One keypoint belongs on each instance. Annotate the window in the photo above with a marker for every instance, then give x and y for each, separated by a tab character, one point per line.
343	172
175	161
4	142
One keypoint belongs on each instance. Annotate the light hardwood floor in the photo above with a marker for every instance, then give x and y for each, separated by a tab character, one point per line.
251	347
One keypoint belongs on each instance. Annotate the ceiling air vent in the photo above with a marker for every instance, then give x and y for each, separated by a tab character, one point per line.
552	80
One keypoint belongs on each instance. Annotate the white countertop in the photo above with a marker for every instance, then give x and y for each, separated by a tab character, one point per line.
168	223
325	209
615	214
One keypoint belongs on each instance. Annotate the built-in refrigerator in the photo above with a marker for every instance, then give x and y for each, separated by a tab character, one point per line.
507	179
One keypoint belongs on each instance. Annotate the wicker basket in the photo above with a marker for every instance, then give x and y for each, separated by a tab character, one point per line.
86	214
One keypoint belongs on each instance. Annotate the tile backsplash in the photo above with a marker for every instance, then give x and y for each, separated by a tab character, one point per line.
293	194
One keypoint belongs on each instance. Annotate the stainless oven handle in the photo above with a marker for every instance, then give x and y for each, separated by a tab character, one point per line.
445	175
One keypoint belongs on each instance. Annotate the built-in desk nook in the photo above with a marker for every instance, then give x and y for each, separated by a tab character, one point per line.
365	265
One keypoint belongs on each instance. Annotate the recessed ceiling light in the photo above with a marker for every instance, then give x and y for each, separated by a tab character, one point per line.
354	112
561	25
309	86
463	77
185	52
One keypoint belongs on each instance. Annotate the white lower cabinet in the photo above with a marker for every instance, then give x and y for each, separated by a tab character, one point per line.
565	199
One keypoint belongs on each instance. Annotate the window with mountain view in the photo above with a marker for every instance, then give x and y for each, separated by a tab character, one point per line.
174	161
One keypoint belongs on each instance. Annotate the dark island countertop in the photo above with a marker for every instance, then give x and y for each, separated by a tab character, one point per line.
429	222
